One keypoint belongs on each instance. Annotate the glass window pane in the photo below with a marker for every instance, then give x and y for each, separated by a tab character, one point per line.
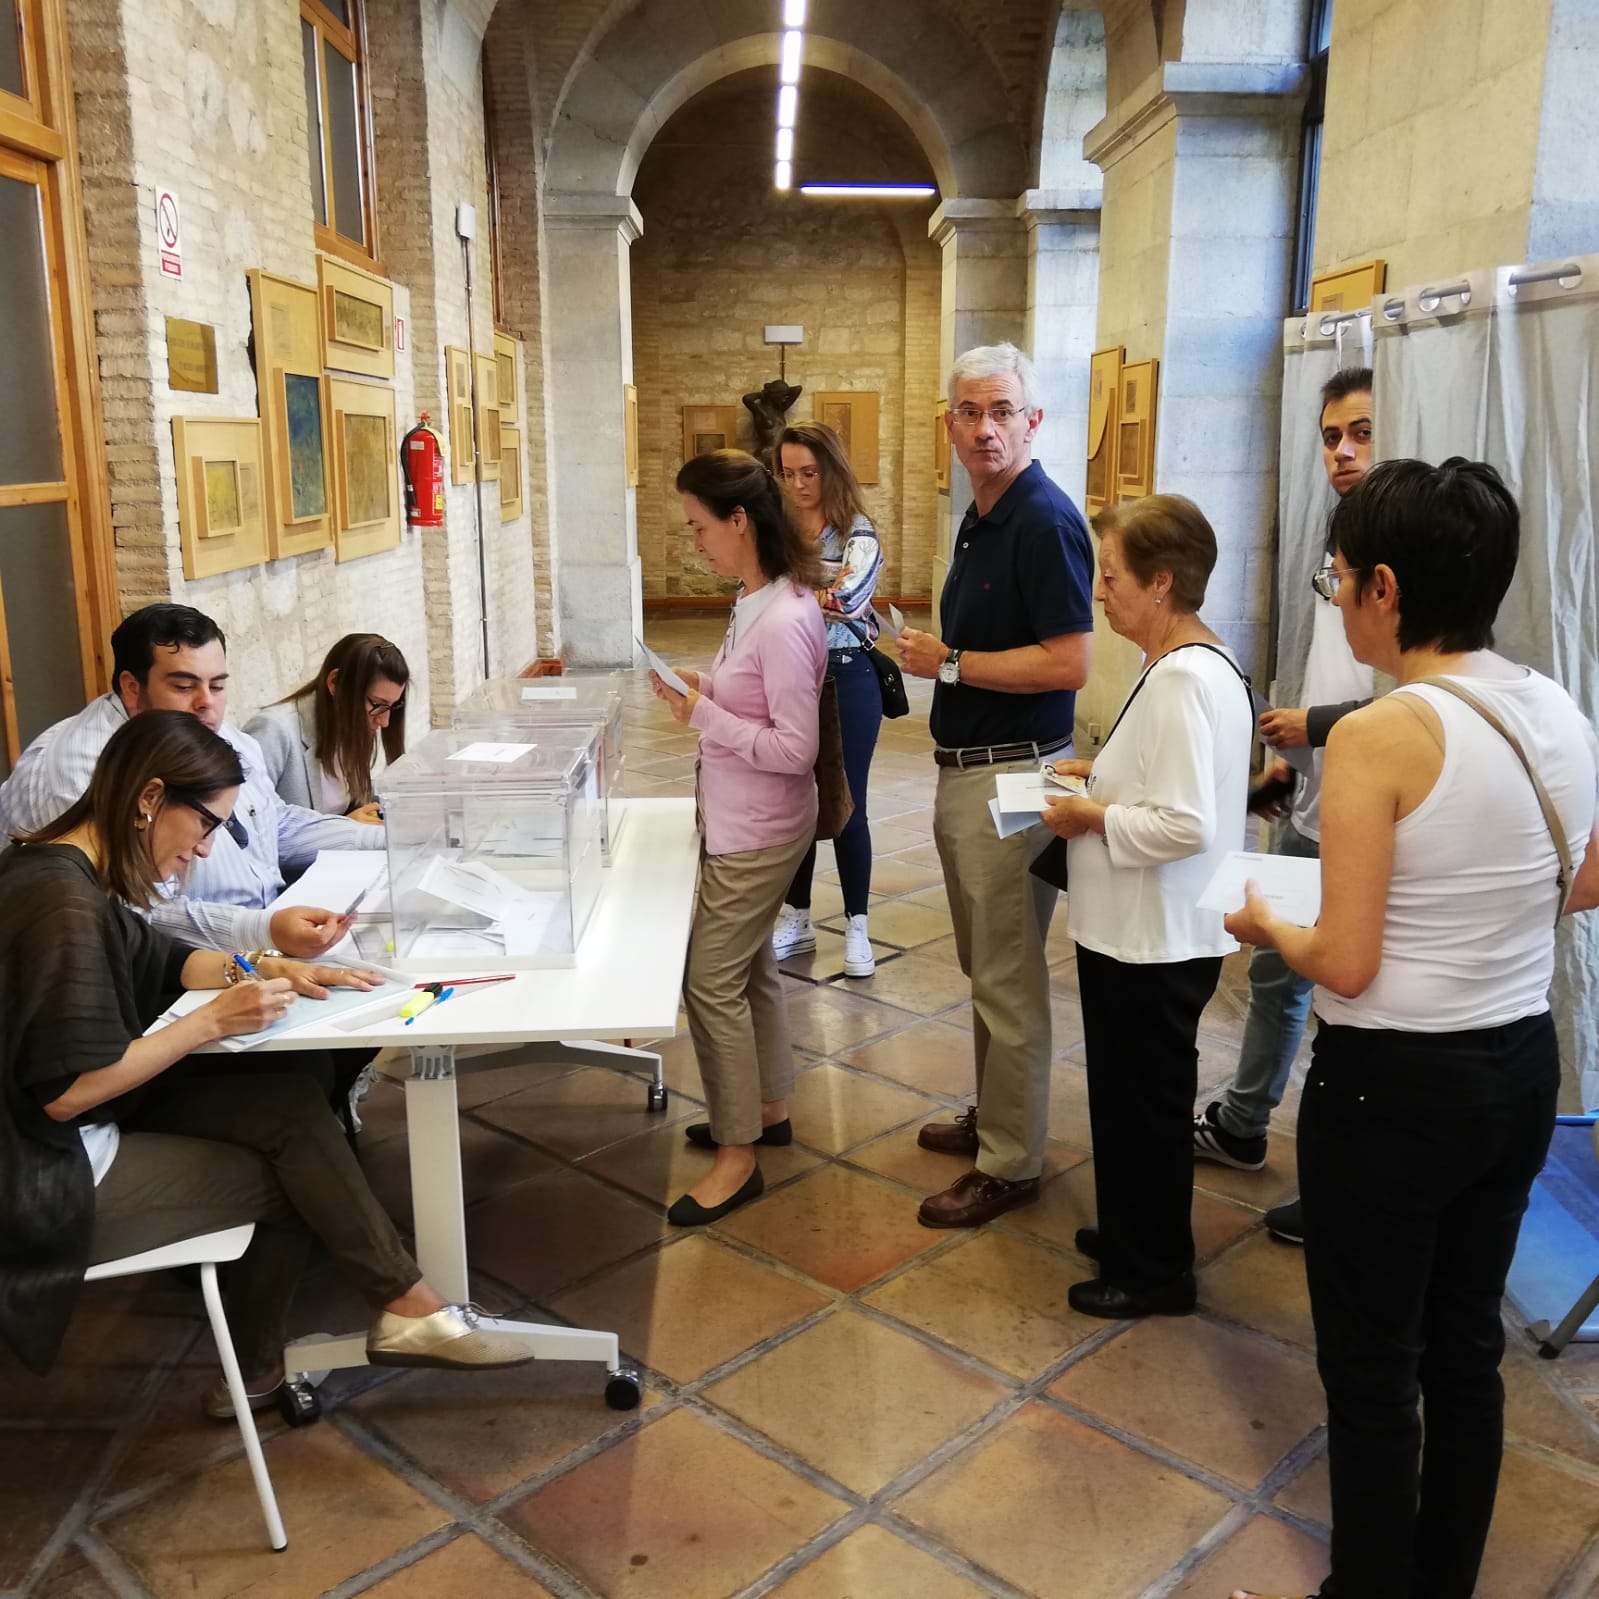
313	122
41	615
340	9
30	437
344	137
10	48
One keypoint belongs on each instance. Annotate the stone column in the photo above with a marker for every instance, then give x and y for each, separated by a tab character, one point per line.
984	302
1062	309
590	358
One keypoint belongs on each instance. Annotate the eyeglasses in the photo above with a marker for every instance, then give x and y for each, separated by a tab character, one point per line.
384	707
1000	415
209	817
800	474
1325	580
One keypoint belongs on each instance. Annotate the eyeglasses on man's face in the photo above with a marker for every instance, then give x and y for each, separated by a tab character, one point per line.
1000	415
1325	579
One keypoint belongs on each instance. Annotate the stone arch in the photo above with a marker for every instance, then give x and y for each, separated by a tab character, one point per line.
1074	99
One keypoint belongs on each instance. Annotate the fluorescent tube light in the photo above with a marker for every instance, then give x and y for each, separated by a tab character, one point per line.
793	13
785	144
787	105
869	191
793	46
783	178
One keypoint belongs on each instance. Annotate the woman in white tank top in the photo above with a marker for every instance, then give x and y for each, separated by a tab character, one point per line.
1431	1098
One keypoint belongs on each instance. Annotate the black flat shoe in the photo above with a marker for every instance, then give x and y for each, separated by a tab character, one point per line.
699	1133
1100	1298
1087	1242
689	1212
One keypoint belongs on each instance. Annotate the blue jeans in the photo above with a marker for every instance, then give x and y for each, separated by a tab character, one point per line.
860	715
1279	1006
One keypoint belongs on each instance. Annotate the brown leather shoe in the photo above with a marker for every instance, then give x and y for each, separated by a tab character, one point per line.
975	1197
958	1137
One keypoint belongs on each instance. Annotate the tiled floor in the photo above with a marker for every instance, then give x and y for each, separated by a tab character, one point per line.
838	1402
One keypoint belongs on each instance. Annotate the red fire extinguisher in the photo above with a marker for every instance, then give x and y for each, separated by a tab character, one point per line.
422	461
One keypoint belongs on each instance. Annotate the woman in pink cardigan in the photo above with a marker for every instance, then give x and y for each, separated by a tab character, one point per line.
756	713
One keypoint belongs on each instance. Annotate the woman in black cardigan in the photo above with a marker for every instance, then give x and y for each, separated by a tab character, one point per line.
107	1151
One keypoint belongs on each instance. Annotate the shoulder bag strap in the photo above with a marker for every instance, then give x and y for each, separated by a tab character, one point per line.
1551	816
1198	644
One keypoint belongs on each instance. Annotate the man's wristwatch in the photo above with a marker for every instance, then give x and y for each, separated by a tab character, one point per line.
950	669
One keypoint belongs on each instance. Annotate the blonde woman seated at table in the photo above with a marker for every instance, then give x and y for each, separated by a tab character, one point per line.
109	1148
756	711
1166	798
326	741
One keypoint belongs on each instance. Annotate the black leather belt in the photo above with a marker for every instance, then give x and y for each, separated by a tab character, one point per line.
997	754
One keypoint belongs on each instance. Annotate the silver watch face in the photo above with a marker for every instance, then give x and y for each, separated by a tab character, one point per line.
949	671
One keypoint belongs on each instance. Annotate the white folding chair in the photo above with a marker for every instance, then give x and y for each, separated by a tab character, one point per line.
205	1252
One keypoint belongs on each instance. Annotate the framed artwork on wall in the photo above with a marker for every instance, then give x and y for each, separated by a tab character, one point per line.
507	389
292	395
366	468
357	321
630	431
709	427
458	382
1350	288
1135	445
853	417
1104	386
221	509
510	474
940	444
489	419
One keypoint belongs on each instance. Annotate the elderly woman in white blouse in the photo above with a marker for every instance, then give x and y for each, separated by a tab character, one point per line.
1165	803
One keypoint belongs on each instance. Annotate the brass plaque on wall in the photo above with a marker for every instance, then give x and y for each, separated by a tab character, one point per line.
191	356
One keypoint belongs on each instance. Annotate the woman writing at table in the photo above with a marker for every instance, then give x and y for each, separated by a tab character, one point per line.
756	711
1165	804
324	743
105	1151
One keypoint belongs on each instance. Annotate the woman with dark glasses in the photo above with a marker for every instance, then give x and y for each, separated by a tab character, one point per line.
113	1142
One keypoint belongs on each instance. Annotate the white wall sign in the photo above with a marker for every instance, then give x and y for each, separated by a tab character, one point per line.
399	335
169	231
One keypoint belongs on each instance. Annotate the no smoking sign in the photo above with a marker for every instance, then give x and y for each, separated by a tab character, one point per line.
169	232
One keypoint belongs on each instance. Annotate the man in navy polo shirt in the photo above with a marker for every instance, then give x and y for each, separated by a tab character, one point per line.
1018	628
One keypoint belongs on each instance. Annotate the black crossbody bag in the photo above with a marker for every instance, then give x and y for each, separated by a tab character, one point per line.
1050	865
892	686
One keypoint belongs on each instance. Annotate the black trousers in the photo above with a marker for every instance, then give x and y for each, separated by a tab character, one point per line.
334	1071
1140	1023
1416	1155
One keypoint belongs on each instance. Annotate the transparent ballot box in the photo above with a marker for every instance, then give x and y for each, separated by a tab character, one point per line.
561	701
494	849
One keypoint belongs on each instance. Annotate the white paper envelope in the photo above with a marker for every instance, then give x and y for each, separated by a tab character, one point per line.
1290	884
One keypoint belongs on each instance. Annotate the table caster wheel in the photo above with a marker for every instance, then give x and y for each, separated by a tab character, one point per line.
656	1099
299	1403
622	1389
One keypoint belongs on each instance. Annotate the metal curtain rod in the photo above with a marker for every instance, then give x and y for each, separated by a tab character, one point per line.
1330	324
1549	274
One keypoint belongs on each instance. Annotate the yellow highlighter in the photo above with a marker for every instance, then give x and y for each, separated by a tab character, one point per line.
430	995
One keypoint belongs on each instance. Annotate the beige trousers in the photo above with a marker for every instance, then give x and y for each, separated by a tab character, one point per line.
1001	914
732	990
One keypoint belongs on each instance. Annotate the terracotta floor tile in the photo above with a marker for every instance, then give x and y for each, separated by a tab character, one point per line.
480	1433
659	1306
1032	1502
889	838
1068	1104
41	1475
925	856
826	962
857	1400
510	1074
900	876
933	1057
1065	1018
1068	1204
1262	1284
1267	1556
922	819
465	1569
659	1166
540	1235
1262	1189
1544	1519
1539	1414
680	1510
680	1069
899	1157
873	1564
836	1225
1310	1494
72	1577
834	1109
903	925
1213	1395
944	951
342	1509
994	1297
577	1114
490	1161
916	983
828	1021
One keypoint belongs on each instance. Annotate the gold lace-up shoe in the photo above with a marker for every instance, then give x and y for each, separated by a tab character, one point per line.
458	1336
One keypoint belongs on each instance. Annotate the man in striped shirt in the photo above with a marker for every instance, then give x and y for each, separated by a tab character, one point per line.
173	658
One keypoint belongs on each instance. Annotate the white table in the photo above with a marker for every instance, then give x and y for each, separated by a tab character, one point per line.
625	984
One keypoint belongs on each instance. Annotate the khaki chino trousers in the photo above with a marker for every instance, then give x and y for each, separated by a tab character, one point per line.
1001	914
732	990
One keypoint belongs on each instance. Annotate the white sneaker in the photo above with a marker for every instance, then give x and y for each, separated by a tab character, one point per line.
793	934
859	961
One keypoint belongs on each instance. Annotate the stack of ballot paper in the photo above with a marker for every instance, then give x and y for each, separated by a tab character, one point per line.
353	882
1019	797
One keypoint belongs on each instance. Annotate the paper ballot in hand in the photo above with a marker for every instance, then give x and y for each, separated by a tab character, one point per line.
661	669
1302	759
1290	884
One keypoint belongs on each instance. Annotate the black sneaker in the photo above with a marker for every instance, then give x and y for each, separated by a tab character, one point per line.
1287	1222
1212	1141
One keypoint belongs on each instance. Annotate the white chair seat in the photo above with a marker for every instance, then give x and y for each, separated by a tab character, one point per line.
215	1247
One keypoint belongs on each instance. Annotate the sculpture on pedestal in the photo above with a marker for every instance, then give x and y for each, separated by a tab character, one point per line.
769	407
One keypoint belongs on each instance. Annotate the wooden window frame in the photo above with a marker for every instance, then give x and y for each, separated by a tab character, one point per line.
1312	123
351	42
491	179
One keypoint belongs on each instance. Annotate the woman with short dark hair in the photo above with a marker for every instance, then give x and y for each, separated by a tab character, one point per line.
756	712
1165	804
1449	810
106	1152
325	742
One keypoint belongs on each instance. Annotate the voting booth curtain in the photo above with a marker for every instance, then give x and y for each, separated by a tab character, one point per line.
1499	366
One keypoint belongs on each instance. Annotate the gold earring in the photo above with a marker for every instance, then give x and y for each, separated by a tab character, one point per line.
145	819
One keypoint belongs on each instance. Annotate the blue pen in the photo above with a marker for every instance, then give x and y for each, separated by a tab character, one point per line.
244	966
431	996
